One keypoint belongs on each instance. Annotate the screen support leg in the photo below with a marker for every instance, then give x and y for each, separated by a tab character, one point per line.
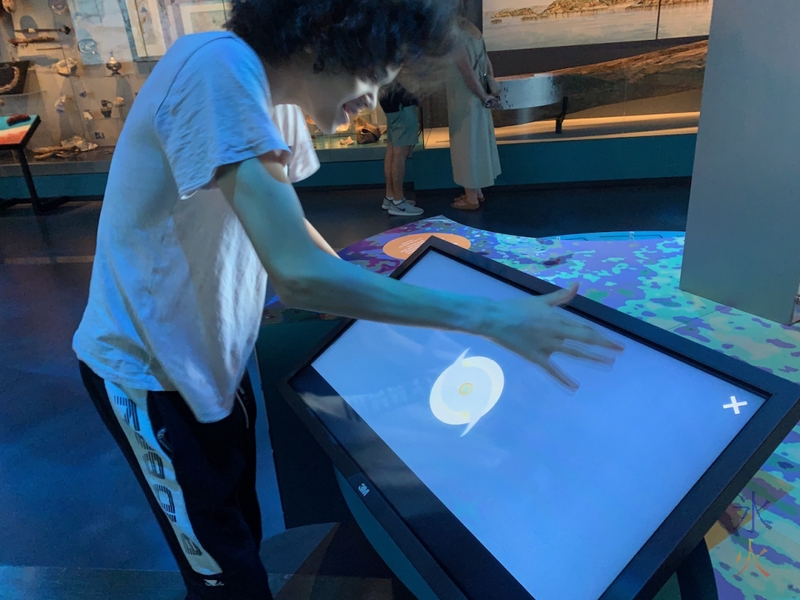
696	575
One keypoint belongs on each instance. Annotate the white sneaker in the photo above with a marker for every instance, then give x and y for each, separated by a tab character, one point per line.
404	209
387	204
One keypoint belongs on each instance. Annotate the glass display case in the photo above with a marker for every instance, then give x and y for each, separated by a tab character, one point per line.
611	68
363	139
82	63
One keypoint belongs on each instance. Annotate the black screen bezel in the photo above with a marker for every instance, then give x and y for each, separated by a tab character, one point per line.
683	529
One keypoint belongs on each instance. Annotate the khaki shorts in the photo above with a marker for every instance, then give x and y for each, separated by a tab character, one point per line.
403	127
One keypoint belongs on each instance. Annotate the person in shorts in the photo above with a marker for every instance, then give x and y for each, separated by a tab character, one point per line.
402	132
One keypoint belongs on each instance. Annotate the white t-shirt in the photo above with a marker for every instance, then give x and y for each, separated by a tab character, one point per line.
177	290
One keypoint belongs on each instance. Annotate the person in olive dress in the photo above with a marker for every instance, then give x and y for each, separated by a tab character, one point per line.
472	94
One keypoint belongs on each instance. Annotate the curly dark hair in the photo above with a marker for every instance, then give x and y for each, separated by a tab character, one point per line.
361	37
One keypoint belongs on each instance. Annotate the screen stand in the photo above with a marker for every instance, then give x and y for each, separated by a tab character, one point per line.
309	492
696	575
694	579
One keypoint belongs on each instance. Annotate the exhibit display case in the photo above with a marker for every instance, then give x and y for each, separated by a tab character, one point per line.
363	139
578	69
80	64
569	69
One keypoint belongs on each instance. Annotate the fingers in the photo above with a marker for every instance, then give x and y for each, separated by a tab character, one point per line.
574	330
584	354
587	335
559	375
562	297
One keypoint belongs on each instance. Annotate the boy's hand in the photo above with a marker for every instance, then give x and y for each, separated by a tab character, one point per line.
535	329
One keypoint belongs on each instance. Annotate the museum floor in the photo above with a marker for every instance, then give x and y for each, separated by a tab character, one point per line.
70	513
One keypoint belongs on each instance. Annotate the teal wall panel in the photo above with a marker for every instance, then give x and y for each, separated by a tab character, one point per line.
52	186
433	170
650	157
333	174
611	159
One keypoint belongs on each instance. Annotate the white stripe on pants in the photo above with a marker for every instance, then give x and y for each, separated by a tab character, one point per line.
130	408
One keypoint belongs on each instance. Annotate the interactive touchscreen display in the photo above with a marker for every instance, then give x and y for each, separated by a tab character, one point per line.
551	482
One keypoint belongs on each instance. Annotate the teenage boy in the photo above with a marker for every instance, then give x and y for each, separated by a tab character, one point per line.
198	210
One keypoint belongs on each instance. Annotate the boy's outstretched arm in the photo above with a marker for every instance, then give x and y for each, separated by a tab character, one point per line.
308	278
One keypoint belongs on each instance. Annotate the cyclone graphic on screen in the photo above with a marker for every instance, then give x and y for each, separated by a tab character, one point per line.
466	391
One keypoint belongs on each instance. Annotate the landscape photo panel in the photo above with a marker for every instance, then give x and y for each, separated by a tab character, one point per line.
686	20
526	24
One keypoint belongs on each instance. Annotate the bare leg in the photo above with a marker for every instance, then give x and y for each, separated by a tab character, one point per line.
472	196
388	166
469	201
399	170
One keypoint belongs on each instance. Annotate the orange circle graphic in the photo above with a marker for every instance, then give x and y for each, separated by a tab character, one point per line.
403	247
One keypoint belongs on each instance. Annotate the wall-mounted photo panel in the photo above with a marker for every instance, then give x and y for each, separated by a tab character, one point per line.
147	19
526	24
128	29
204	16
684	19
